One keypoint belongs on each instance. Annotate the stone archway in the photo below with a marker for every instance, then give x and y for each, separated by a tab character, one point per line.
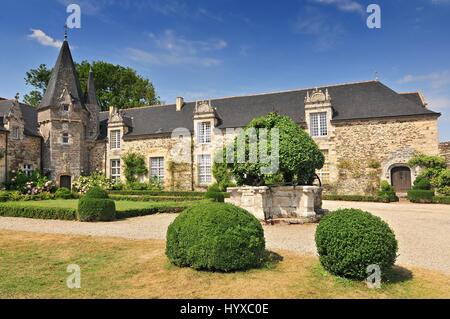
401	178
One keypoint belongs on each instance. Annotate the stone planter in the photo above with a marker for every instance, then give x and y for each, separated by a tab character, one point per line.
278	202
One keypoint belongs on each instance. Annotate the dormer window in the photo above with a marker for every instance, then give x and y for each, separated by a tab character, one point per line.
65	108
319	127
65	138
204	133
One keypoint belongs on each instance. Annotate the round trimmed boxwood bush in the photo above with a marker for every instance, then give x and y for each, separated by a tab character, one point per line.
63	193
96	209
96	192
216	237
350	240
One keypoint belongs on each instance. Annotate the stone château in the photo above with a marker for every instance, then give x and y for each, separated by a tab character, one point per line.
367	132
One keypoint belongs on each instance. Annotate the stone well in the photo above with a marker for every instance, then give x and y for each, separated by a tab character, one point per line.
278	202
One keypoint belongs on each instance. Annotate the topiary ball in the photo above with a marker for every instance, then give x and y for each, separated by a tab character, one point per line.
96	192
96	209
349	240
216	237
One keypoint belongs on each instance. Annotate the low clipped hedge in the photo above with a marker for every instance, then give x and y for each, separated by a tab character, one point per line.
350	240
216	237
153	193
97	193
37	212
360	198
96	209
441	199
129	213
421	196
146	198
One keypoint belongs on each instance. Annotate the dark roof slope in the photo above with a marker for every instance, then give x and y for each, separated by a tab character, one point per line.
363	100
29	114
63	73
414	97
91	96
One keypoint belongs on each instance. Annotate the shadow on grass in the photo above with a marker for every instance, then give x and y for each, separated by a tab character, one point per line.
270	260
397	274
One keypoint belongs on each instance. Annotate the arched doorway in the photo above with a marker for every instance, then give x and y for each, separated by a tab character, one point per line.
65	181
401	178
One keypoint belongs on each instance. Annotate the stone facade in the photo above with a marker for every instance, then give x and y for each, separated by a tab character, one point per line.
444	150
361	153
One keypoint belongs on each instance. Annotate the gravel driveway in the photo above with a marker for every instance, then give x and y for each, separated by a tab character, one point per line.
423	231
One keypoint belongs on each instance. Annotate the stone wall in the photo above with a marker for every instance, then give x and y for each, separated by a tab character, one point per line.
444	150
3	137
278	202
177	176
365	151
26	150
97	157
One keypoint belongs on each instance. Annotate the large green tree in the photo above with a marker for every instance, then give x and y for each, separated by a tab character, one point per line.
115	85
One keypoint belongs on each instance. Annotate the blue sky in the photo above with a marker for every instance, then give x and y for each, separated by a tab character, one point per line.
206	49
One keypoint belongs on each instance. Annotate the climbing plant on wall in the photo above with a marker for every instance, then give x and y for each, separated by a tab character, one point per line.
134	166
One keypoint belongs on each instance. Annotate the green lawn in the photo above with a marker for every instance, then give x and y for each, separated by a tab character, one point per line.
120	205
34	266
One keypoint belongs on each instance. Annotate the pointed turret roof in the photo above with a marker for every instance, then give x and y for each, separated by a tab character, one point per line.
91	96
63	76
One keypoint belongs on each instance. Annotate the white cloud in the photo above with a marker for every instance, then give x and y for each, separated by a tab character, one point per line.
44	39
438	102
343	5
171	49
440	1
436	80
323	32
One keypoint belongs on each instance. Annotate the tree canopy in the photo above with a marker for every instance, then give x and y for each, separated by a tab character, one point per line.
115	85
298	158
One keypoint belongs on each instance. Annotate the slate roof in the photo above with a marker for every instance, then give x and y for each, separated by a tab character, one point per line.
29	114
63	73
91	96
363	100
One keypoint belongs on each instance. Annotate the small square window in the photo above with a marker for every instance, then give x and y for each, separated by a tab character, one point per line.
28	169
65	108
65	138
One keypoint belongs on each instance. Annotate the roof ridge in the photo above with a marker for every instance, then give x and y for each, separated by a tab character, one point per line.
294	90
259	94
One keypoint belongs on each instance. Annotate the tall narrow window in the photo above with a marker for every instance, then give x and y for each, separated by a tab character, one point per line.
115	170
157	168
115	139
28	169
204	133
319	124
204	169
65	138
15	133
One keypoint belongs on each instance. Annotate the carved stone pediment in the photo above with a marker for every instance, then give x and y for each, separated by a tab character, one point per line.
203	107
317	96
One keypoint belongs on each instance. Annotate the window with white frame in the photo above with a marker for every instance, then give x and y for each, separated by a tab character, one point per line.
204	169
114	142
65	138
115	170
15	132
319	124
324	173
157	168
28	169
204	132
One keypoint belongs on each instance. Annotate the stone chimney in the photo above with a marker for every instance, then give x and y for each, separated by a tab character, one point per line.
180	103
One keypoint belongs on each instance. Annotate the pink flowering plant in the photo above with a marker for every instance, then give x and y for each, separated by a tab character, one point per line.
30	184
